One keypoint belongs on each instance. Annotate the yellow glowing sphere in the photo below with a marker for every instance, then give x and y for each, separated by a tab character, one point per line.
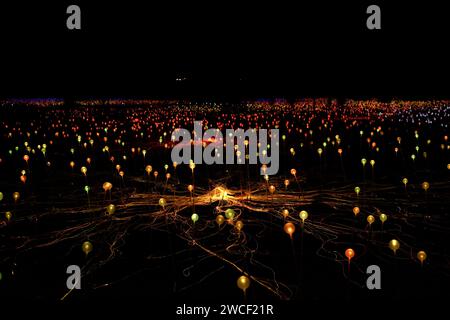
319	151
220	219
285	213
303	215
16	196
394	245
118	167
289	228
229	213
372	162
148	169
1	196
83	170
87	247
363	161
448	166
72	164
293	172
111	209
190	188
8	216
162	202
383	217
107	186
243	283
272	189
357	190
192	165
405	181
349	253
356	211
422	256
370	219
194	217
239	225
425	186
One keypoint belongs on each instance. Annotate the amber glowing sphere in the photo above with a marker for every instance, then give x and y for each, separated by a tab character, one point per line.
370	219
111	209
162	202
190	188
394	245
16	196
239	225
425	186
293	172
356	211
243	283
349	253
220	219
422	256
87	247
272	189
148	169
83	170
285	213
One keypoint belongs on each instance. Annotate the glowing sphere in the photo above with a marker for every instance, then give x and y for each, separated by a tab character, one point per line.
363	161
285	213
243	283
394	245
162	202
349	253
155	174
293	172
448	166
370	219
319	151
192	165
229	213
340	151
372	162
16	196
289	228
286	183
383	217
1	276
83	170
86	188
72	164
148	169
272	189
405	181
167	176
26	158
87	247
194	217
107	186
239	225
357	190
220	219
422	256
8	216
425	186
111	209
356	211
303	215
190	188
1	196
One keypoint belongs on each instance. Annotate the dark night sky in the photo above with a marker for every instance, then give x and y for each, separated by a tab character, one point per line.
224	50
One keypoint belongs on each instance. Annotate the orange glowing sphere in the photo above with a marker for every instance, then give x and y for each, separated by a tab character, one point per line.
340	151
72	164
285	213
293	172
220	219
121	173
26	158
155	173
272	189
349	253
190	188
239	225
167	176
107	186
289	228
16	196
425	186
148	169
356	211
370	219
286	182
